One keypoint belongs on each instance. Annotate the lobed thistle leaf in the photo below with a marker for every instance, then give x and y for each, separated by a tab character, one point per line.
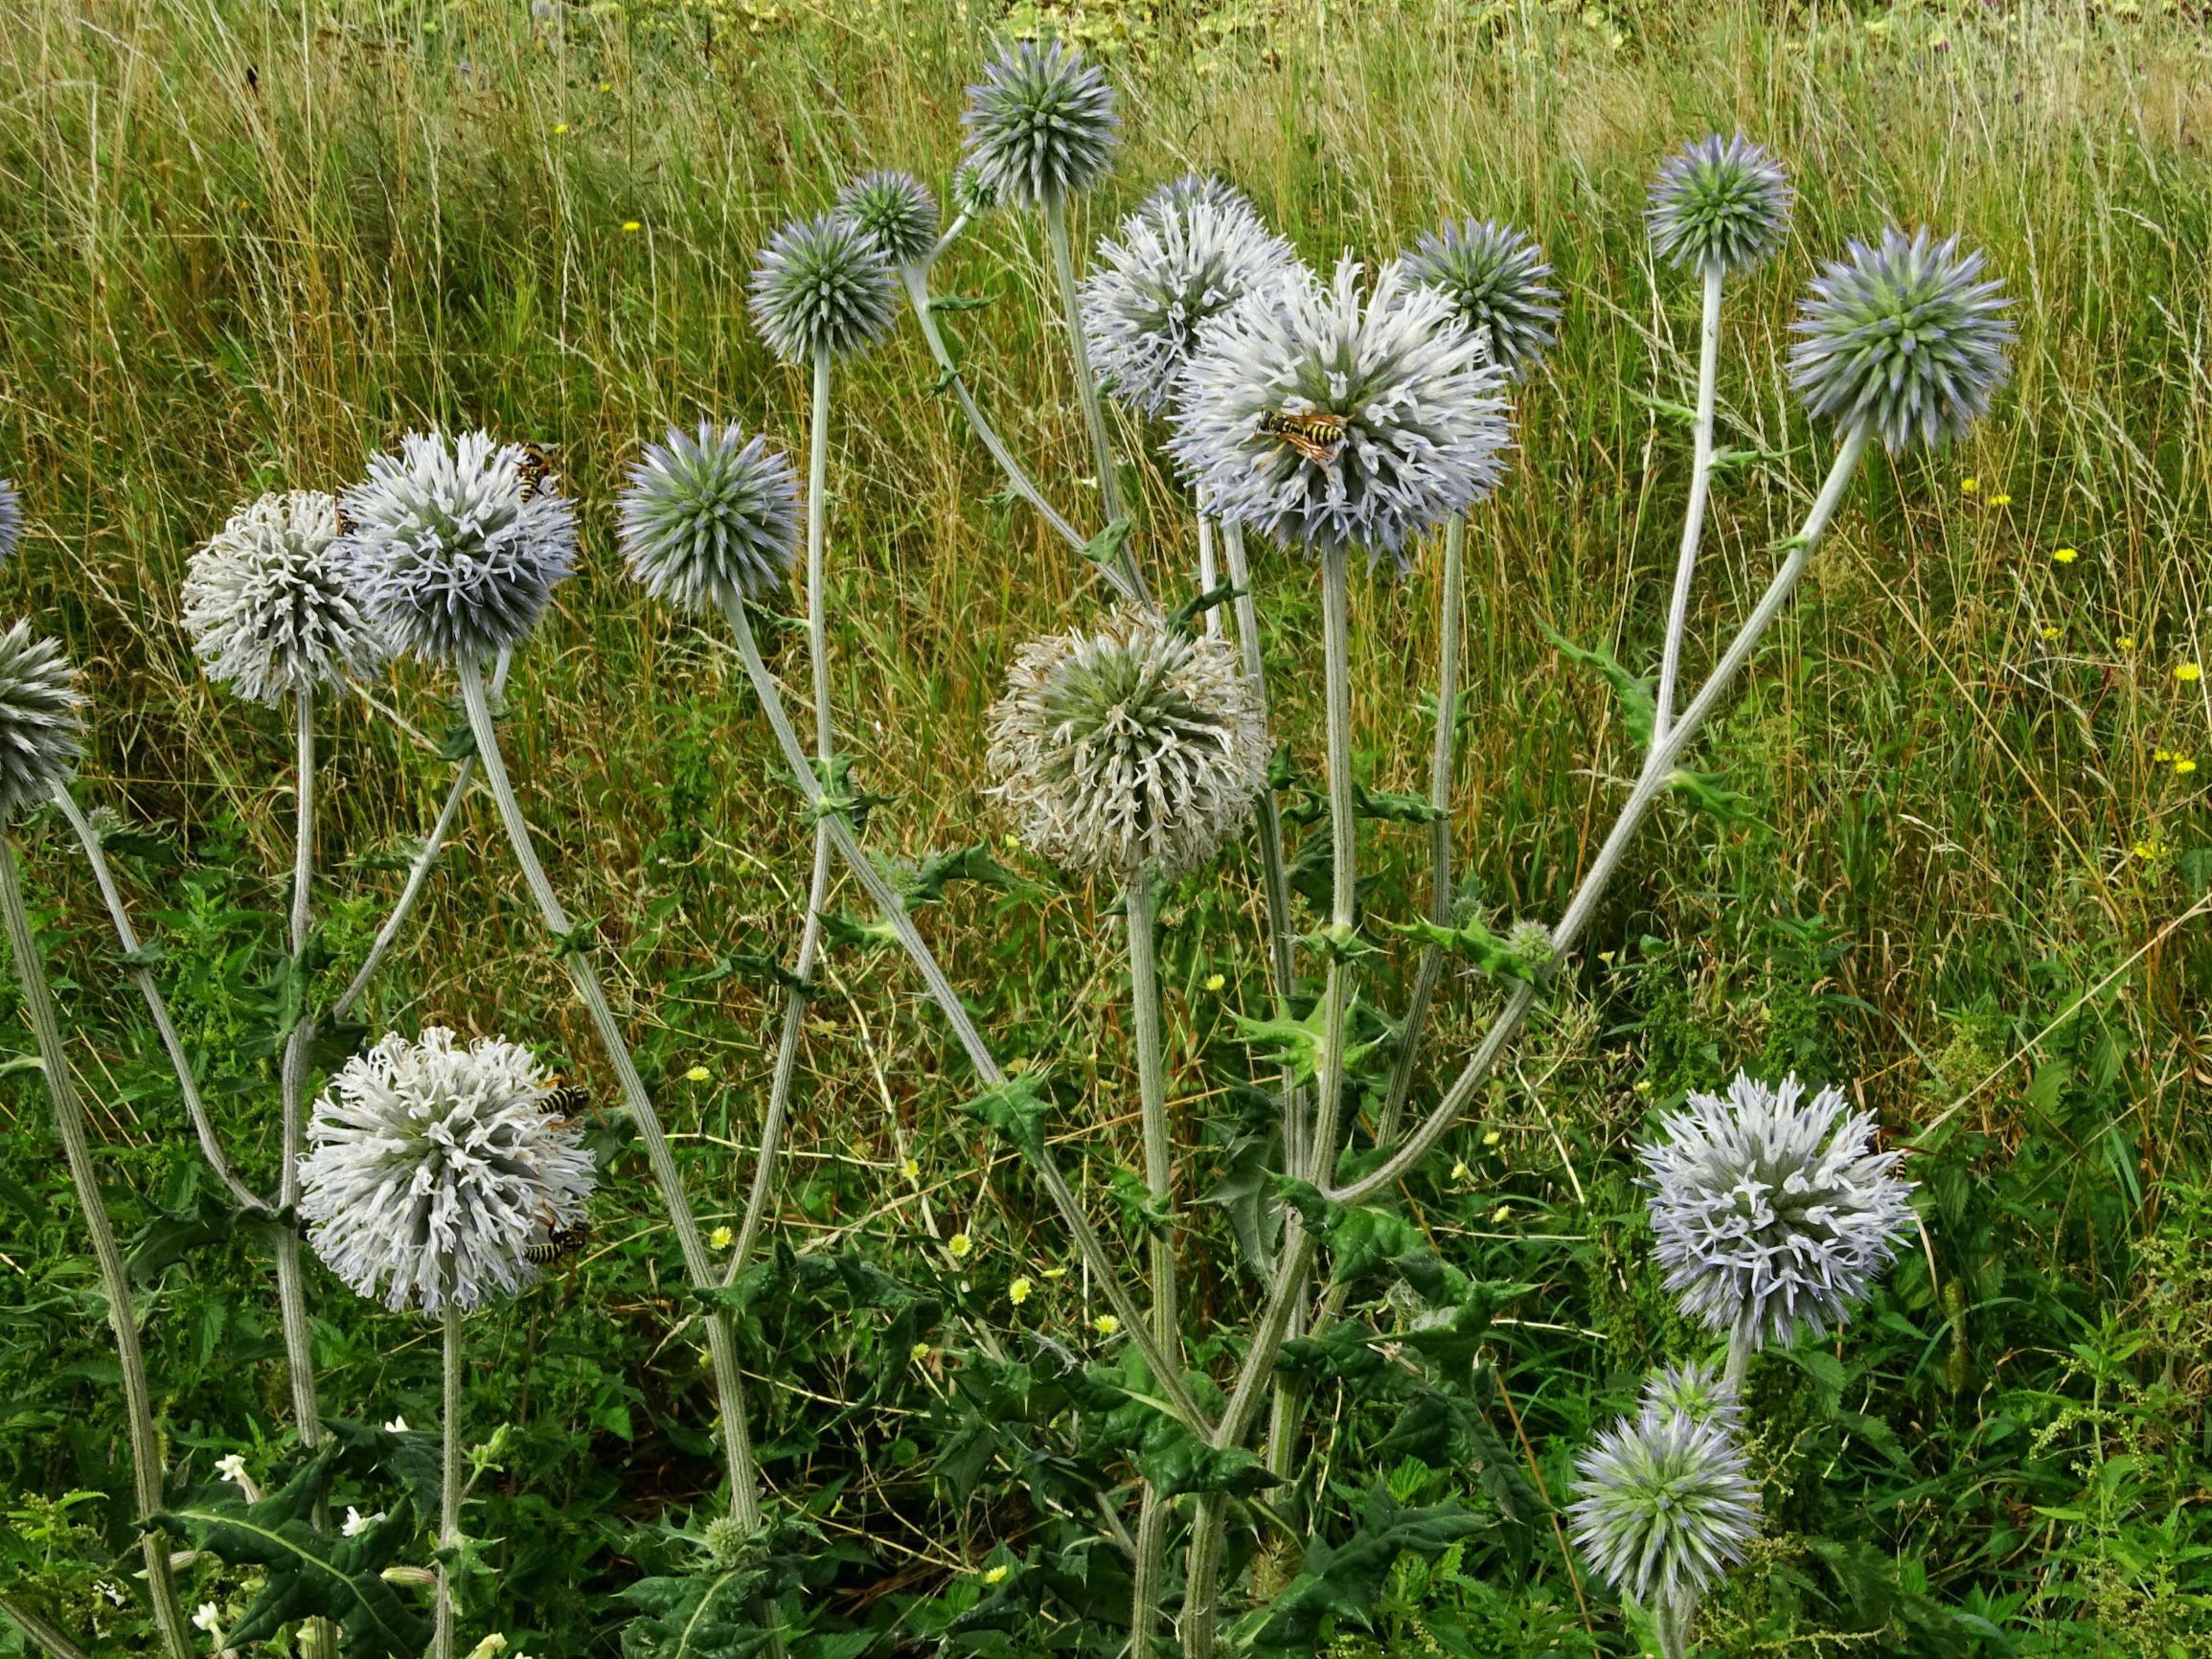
821	284
1041	124
1907	339
1423	414
1130	747
41	720
1766	1212
1494	274
1180	260
1664	1506
434	1168
269	603
455	549
1719	204
896	210
10	520
711	520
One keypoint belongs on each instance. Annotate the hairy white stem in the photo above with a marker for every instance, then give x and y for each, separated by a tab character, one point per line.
1693	517
1208	579
449	1484
51	1640
1344	865
1159	1183
1101	449
292	1082
114	1276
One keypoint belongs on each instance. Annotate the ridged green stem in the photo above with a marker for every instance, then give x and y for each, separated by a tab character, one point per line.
1343	863
1693	517
114	1276
449	1484
51	1640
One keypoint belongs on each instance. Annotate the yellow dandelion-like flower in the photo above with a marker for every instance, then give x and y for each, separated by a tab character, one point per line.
1503	1213
2000	499
2147	850
633	224
2064	554
698	1075
2126	642
919	1352
1056	1273
721	1238
607	86
960	1244
1214	981
2159	757
561	130
1017	1292
1967	485
2183	767
1105	1325
996	1575
1489	1137
2188	672
2050	633
911	1168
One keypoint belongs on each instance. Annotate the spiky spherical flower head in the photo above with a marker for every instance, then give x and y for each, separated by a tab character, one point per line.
1699	1391
1041	123
711	520
1766	1211
973	193
10	520
1721	204
434	1166
41	720
726	1538
1174	267
1134	746
456	545
821	284
1415	404
269	603
1192	187
1664	1506
1494	274
1907	339
897	209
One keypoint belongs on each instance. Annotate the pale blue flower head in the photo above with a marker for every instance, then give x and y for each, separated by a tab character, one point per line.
1663	1506
1907	339
1495	277
897	209
41	720
1187	189
1767	1213
1721	204
822	285
456	545
1174	265
1041	124
10	520
1416	408
712	519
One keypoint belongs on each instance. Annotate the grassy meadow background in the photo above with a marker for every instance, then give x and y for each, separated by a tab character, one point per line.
243	247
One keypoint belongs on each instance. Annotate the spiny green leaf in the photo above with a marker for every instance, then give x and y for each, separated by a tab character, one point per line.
1017	1109
1297	1044
1393	808
1479	945
927	884
699	1616
1639	704
1106	546
1181	619
845	931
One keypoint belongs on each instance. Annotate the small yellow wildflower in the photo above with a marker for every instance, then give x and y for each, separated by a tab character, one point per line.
1013	842
2064	554
2150	849
2188	672
960	1244
996	1575
721	1238
559	130
911	1168
1105	1325
2159	757
1017	1292
2183	767
1967	485
2000	499
2126	642
633	224
697	1075
1056	1273
607	86
2050	633
1489	1137
919	1352
1214	981
1503	1213
1459	1170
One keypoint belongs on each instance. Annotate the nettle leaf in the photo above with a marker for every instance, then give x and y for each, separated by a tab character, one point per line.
412	1457
1639	704
927	884
307	1573
1345	1582
1449	1430
1246	1194
708	1615
1017	1109
1479	945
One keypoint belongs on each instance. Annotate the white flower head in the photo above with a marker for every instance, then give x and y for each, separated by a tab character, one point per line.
457	545
398	1425
1767	1213
1663	1506
434	1166
209	1617
356	1523
1177	262
10	520
1417	404
41	720
232	1467
268	601
1133	746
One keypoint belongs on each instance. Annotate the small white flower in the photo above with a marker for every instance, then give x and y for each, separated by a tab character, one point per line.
398	1425
433	1168
269	605
232	1468
356	1523
209	1618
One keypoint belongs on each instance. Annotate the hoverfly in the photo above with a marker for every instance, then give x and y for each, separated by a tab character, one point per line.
557	1245
535	468
347	522
1317	436
564	1102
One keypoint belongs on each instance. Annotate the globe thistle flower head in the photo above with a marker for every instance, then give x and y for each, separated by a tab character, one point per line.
1173	268
821	284
1041	124
433	1168
456	546
1495	277
973	192
1664	1506
1414	402
41	720
1699	1392
1907	339
1766	1211
1721	204
897	209
10	520
1135	746
711	519
270	605
1186	190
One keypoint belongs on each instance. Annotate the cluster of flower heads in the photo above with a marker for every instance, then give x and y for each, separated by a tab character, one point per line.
1140	745
269	603
822	285
1409	394
456	545
711	520
435	1166
1195	248
1664	1506
1495	278
41	720
1041	125
1768	1213
1719	205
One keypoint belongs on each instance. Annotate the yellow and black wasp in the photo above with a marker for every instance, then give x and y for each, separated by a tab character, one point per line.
535	468
1317	436
564	1102
557	1245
